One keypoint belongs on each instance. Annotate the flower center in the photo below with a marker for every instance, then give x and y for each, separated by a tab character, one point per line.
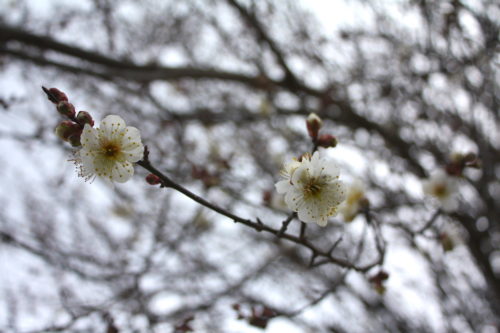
440	190
111	150
312	188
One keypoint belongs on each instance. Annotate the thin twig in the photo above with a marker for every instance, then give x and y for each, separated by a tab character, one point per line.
302	230
285	224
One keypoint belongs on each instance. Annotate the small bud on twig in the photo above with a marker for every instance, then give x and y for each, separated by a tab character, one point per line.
84	117
67	129
66	109
55	95
313	124
446	242
327	141
378	281
153	179
458	162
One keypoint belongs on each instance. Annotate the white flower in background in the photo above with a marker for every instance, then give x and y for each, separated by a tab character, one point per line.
354	202
451	236
110	150
312	188
442	187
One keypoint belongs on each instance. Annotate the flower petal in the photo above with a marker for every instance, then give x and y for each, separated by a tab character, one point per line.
282	186
122	172
294	199
110	127
89	138
131	144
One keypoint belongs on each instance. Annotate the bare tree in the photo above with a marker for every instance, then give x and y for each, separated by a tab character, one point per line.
220	90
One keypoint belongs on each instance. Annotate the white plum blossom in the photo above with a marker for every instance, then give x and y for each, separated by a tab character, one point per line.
451	236
312	188
444	188
110	150
354	200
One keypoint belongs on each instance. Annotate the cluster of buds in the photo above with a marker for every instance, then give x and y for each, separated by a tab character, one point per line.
458	162
259	315
378	281
314	124
68	130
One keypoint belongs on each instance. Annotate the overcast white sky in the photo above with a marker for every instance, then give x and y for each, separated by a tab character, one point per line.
332	14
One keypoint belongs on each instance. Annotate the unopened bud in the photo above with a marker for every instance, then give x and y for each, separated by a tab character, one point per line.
74	139
152	179
268	313
327	141
84	117
55	95
313	124
456	157
378	281
66	109
472	161
66	129
379	277
266	197
446	242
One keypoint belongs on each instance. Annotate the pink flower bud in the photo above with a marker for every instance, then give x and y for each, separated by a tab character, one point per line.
327	141
55	95
84	117
66	109
313	124
153	179
66	129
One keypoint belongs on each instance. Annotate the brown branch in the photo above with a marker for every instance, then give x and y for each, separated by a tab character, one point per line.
108	68
290	79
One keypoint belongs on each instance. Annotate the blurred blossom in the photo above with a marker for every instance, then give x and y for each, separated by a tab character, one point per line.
355	201
450	237
443	188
